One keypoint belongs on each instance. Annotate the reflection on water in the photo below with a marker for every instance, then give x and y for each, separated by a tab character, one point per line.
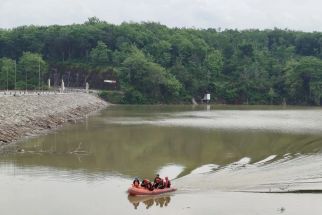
130	152
202	149
302	121
99	145
150	201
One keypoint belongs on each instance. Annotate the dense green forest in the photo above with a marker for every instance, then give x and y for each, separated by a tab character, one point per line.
156	64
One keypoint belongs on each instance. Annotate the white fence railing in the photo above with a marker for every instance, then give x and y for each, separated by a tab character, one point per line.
44	92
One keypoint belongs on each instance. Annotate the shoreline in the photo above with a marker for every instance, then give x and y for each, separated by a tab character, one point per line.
29	116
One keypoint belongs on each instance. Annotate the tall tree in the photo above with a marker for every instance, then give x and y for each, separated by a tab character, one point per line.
100	55
304	80
32	69
7	73
214	63
144	77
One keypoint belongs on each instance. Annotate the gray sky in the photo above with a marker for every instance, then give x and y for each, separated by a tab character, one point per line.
303	15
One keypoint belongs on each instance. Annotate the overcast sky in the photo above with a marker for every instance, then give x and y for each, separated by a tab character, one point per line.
303	15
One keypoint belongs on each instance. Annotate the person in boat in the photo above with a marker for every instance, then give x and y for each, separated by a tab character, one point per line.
147	184
136	182
157	184
167	183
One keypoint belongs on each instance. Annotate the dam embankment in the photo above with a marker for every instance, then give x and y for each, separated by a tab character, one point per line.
29	115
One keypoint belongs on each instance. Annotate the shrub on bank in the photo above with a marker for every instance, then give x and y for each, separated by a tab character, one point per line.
115	97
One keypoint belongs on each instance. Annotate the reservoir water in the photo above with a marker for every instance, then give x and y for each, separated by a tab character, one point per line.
222	159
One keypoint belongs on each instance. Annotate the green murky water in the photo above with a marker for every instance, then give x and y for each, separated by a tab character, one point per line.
209	151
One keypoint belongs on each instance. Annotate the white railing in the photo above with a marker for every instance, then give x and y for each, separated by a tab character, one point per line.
43	92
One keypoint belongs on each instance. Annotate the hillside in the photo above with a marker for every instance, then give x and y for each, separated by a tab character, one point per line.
153	63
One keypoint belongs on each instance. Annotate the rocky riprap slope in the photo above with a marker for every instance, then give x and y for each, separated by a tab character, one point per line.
22	116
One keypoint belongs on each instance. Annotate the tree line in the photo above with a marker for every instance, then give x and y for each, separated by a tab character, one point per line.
153	63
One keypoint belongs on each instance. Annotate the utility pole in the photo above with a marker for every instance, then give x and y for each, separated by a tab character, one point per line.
39	75
15	75
7	79
41	79
26	81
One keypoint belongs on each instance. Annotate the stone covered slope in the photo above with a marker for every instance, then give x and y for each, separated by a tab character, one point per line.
32	114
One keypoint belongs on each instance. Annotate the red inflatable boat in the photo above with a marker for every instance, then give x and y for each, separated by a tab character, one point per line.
140	191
